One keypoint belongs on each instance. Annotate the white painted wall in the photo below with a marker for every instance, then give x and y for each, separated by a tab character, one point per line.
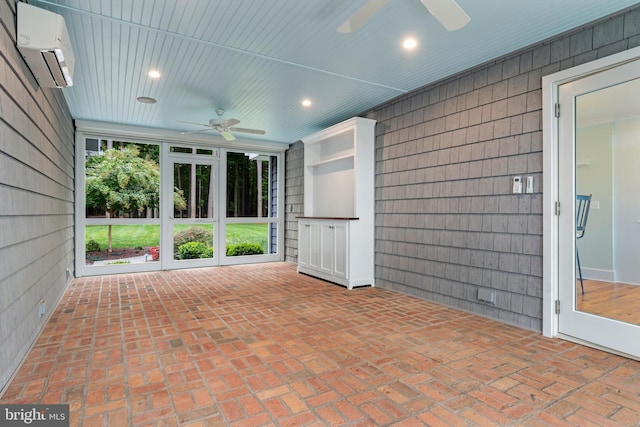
626	219
608	167
594	175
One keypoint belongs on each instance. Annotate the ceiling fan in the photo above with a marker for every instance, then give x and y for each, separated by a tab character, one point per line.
222	126
448	12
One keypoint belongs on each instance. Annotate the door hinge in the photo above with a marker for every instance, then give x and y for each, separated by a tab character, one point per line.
557	110
557	306
557	208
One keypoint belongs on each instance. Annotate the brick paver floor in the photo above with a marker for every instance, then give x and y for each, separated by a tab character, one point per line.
260	345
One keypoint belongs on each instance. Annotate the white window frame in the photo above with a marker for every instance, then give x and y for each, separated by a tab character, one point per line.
100	130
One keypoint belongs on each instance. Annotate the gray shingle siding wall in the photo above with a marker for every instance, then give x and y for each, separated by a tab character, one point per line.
446	221
36	199
294	198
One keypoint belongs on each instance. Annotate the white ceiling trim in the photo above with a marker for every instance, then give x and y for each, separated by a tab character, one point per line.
140	133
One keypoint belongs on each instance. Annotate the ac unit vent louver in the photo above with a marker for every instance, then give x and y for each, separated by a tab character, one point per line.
43	41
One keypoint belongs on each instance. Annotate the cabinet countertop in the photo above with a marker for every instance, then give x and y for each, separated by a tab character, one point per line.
334	218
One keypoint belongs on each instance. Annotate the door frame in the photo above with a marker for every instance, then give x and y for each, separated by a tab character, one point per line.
550	135
167	220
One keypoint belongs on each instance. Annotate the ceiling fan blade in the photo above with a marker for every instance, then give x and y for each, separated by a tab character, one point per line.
196	131
227	135
231	122
244	130
361	16
448	12
193	123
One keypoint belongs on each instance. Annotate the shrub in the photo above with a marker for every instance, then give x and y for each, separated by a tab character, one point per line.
93	246
207	253
192	234
244	249
194	250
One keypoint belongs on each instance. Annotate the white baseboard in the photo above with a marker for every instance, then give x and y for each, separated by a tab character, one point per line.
598	274
603	276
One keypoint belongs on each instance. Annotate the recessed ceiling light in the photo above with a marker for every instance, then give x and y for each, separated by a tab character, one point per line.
146	100
306	102
409	43
154	74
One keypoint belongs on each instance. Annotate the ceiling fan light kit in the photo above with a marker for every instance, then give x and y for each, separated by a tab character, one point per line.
223	127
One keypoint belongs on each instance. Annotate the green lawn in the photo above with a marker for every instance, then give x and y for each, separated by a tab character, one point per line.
124	236
248	233
132	236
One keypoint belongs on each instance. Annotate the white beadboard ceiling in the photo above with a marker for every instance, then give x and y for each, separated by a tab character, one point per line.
257	59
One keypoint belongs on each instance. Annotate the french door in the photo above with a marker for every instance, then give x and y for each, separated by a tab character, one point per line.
191	224
599	155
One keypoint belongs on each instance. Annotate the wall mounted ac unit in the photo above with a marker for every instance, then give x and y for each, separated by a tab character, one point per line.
43	41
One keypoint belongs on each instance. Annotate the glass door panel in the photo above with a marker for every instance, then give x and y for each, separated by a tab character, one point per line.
193	219
607	159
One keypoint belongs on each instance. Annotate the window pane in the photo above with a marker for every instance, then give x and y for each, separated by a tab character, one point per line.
122	179
250	178
193	191
192	241
129	244
252	239
189	150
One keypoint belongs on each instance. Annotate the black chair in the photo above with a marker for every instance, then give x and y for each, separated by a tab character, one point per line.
582	213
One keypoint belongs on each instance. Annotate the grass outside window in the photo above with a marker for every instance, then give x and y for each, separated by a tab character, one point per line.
148	235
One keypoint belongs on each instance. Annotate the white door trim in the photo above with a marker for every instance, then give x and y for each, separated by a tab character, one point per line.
550	86
168	221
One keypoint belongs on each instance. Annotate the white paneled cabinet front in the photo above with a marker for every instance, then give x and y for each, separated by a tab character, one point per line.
324	251
308	255
336	233
333	248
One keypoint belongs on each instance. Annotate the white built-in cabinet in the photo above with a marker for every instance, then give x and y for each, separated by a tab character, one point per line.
336	233
324	246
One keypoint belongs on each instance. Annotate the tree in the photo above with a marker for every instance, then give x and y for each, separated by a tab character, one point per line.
120	181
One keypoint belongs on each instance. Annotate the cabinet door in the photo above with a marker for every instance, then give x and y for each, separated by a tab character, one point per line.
315	254
303	243
340	249
326	247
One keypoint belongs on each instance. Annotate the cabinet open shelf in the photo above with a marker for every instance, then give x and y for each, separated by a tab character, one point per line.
331	160
336	233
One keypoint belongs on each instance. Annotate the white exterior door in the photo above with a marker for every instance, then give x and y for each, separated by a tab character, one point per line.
191	212
586	102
